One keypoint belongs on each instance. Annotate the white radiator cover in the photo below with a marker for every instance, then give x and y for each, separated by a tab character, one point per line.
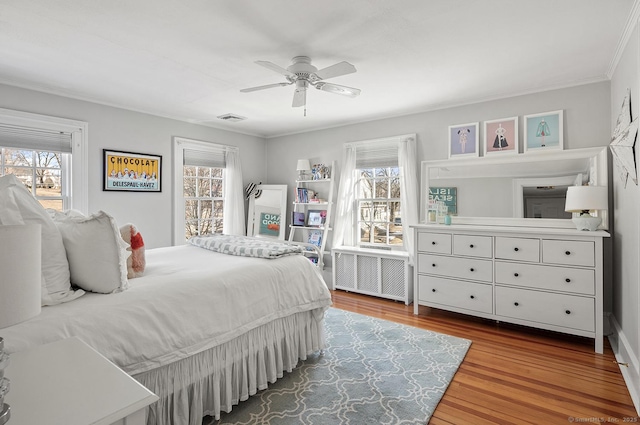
385	274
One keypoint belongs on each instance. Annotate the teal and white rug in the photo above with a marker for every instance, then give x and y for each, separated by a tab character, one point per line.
372	372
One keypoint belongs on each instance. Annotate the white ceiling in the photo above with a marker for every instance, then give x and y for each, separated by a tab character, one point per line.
189	59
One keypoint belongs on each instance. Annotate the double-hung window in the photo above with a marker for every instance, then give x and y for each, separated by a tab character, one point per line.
208	175
377	197
47	155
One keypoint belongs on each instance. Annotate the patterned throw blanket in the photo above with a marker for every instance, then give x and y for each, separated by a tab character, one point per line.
245	246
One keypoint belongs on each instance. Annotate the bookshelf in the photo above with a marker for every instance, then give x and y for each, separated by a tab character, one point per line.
311	215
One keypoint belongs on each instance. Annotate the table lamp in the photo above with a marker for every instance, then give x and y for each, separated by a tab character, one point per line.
303	168
20	290
583	200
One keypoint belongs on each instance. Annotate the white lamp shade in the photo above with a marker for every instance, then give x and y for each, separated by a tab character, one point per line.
581	198
303	165
20	273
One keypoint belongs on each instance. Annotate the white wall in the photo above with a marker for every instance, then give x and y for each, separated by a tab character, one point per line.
586	124
626	235
120	129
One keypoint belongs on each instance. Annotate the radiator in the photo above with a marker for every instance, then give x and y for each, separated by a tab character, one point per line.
385	274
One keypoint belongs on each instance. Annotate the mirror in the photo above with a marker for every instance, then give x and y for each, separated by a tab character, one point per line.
513	189
267	209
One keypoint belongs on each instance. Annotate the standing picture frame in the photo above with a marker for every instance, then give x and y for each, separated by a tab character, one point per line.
544	131
131	171
464	140
500	137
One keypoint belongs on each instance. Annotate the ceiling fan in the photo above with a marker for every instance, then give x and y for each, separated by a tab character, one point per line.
303	74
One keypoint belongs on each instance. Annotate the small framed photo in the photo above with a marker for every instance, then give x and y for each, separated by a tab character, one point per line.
131	172
316	218
500	137
463	140
543	131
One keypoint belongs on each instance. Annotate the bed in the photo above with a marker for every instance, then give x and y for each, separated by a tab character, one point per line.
202	330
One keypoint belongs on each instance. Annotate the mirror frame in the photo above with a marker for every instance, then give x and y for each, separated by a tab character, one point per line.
598	175
252	220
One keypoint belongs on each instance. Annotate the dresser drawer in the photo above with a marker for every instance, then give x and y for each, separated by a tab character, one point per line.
456	267
439	243
574	253
456	293
578	281
568	311
474	246
520	249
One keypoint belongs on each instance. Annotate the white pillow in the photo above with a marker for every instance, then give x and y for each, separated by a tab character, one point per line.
96	252
18	206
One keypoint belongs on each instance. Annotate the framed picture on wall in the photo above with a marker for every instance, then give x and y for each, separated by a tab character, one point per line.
131	172
500	137
463	140
543	131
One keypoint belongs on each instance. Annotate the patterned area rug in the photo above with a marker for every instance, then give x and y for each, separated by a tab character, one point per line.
372	372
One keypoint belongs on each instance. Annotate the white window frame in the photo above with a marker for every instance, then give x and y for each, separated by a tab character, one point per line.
179	146
77	175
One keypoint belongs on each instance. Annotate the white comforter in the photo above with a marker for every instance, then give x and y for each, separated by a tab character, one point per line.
189	300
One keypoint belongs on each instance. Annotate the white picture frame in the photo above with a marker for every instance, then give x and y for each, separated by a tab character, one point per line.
500	137
464	140
544	131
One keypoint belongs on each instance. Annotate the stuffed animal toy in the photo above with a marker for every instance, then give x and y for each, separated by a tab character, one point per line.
136	261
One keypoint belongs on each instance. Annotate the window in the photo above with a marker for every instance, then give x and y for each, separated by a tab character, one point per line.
211	199
203	200
49	155
42	172
378	206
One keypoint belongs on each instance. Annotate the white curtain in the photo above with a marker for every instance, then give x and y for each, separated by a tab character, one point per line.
408	191
233	216
344	215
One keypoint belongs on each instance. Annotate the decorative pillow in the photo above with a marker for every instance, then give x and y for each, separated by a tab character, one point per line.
136	261
18	206
96	252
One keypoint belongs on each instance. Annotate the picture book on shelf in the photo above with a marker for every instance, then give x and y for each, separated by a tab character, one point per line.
315	237
297	218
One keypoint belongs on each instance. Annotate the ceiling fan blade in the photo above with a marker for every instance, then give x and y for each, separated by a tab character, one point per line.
337	89
341	68
268	86
299	97
272	66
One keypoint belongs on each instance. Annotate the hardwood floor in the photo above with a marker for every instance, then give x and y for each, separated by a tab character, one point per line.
514	374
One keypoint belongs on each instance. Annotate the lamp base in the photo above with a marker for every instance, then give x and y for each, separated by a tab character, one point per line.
587	222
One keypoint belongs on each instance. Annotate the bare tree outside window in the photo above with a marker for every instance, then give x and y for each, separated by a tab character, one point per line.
203	200
40	171
378	203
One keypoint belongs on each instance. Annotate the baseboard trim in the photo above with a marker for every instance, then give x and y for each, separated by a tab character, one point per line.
624	354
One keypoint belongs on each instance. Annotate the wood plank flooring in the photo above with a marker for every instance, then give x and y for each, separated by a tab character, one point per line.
514	374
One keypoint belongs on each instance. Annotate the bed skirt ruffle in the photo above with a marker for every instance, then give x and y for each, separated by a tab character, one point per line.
218	378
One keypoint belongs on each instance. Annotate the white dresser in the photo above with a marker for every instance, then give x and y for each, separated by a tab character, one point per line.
540	277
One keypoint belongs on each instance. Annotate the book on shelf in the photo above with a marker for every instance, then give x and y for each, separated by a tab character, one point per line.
315	237
297	218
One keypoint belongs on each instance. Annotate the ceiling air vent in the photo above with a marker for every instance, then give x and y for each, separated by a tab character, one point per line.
231	117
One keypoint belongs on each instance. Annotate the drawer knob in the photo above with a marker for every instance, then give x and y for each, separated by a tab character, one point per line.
568	311
567	280
433	265
516	304
472	269
516	274
471	246
567	252
516	249
433	290
472	297
433	242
